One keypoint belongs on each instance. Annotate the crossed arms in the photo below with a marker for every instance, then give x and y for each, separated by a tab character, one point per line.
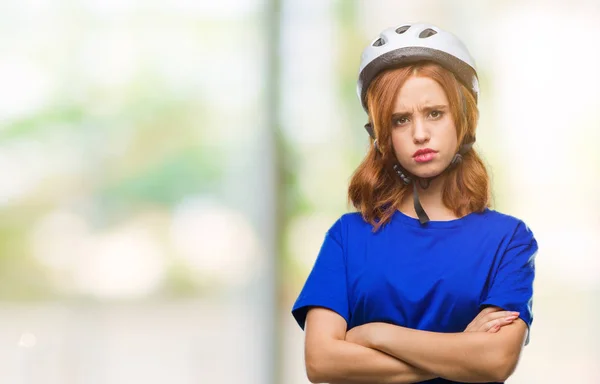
487	351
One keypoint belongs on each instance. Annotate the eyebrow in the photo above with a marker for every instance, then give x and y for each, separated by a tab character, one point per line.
425	108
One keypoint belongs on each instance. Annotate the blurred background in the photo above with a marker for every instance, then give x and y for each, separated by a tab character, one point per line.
168	170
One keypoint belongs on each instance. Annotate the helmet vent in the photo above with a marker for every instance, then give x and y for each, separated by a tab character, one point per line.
402	29
426	33
379	42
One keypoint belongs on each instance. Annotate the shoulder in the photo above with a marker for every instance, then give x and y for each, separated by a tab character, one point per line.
349	225
514	230
504	221
354	223
354	220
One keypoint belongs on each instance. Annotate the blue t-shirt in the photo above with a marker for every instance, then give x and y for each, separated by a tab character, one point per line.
435	277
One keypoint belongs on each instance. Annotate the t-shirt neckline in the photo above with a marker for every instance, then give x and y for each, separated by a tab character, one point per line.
454	223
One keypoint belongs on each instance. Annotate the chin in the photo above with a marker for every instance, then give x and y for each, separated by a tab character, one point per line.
423	175
426	171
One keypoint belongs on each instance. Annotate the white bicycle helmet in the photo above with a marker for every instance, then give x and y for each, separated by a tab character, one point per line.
410	43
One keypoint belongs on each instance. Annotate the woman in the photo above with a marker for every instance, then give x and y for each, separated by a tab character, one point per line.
425	283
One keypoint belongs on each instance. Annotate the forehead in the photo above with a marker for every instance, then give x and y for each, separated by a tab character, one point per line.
420	91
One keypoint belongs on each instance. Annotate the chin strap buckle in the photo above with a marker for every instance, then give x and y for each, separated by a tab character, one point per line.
405	179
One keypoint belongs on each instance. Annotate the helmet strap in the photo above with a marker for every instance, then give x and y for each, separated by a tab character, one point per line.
371	132
423	218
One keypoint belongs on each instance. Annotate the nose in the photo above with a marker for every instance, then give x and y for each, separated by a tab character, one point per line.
420	131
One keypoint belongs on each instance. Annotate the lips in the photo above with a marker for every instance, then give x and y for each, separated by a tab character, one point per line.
423	152
424	155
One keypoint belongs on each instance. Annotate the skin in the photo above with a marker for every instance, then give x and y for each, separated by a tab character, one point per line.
333	355
470	357
422	119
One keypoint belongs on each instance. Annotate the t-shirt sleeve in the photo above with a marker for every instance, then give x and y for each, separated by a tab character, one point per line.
512	285
326	283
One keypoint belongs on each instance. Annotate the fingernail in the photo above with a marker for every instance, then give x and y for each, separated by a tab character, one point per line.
515	313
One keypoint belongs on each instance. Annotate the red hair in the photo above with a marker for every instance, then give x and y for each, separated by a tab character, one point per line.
376	191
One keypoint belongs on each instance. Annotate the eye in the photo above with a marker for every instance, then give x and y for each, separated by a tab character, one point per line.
397	121
436	114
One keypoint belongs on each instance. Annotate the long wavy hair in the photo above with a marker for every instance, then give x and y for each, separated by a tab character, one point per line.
376	191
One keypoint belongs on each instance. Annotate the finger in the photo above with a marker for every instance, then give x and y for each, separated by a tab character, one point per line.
484	313
500	315
488	310
499	322
482	322
491	308
487	314
491	325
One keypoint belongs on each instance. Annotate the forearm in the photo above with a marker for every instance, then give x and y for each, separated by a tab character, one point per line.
345	362
464	357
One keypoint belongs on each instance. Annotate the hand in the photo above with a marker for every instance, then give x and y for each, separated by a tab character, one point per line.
491	319
362	334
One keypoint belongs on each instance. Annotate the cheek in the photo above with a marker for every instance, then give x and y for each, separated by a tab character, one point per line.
449	136
399	144
452	140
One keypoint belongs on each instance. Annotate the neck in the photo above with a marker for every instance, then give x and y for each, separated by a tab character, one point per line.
431	200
